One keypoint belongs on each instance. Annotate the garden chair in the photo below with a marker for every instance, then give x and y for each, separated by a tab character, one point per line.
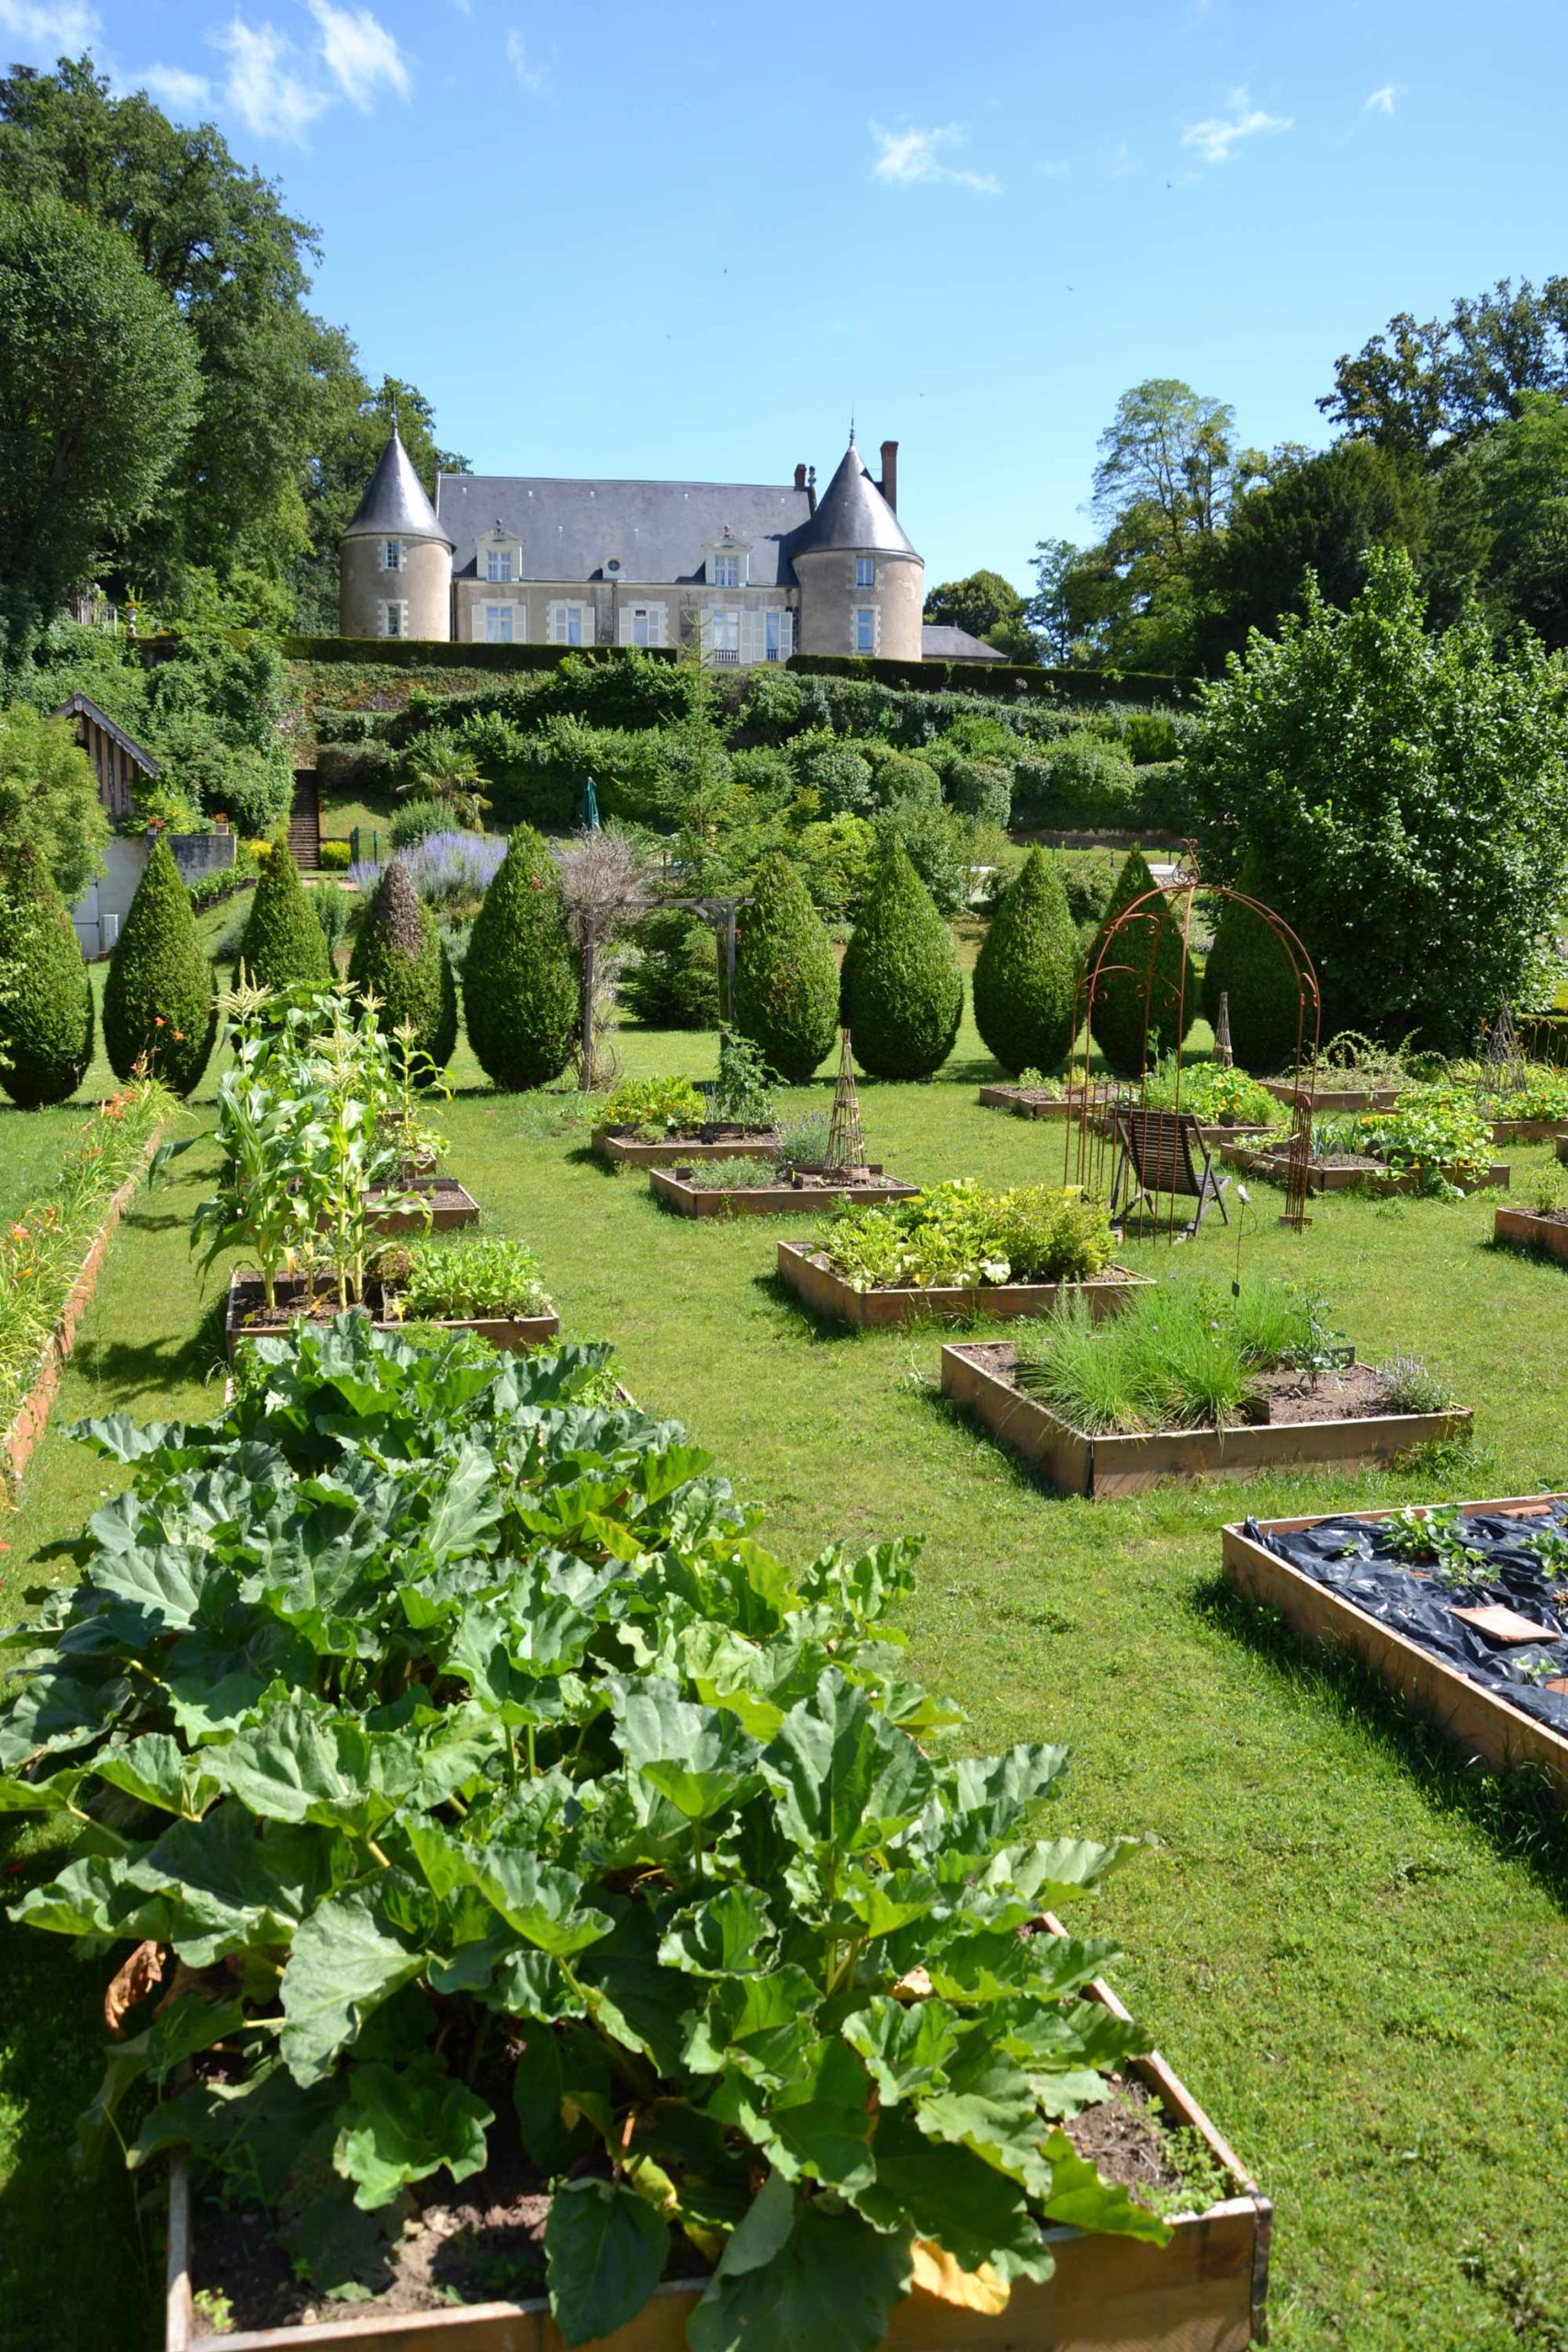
1164	1151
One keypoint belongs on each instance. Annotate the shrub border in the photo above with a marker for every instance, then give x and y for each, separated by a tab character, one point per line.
446	653
994	678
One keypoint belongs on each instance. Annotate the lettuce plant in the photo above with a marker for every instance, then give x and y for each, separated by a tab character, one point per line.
960	1234
450	1738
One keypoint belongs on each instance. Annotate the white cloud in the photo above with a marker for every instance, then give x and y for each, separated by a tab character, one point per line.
360	54
182	93
65	28
269	98
1217	139
532	77
907	156
1381	101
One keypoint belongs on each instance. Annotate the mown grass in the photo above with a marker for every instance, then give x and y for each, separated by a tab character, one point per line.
1352	1947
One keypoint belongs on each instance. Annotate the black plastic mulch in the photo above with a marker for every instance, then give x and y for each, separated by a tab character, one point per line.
1352	1559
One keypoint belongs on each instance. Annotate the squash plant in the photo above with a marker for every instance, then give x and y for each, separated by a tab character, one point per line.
458	1736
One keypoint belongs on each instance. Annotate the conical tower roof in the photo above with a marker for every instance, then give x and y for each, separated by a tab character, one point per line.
853	515
394	505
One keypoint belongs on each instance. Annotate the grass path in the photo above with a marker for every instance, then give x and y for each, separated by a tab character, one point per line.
1354	1952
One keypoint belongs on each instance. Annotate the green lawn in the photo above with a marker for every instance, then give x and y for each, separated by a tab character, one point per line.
1353	1949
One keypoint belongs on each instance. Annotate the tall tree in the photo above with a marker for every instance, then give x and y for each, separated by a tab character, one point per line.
1500	529
1420	387
1163	486
989	607
98	397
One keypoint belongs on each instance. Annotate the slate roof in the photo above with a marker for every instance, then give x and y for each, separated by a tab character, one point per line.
81	706
853	513
394	505
942	641
660	530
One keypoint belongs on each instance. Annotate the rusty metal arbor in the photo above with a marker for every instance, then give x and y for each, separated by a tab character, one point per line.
1130	948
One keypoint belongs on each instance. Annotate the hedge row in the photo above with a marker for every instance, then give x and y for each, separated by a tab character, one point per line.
994	678
438	653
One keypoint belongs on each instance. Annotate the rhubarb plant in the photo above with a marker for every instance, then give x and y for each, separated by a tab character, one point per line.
441	1737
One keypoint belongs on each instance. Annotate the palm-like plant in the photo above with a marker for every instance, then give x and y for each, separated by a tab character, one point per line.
438	768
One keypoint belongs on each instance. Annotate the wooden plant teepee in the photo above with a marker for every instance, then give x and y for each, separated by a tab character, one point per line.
846	1143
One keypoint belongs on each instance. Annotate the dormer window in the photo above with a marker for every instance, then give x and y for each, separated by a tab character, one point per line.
497	563
725	571
391	554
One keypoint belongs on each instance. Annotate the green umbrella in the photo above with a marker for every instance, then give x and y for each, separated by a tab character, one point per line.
588	815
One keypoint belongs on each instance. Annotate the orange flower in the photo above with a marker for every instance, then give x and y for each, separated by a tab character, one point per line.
158	1020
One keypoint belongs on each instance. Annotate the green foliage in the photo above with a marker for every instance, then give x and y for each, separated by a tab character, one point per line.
336	856
1087	782
906	777
1210	1091
840	779
990	608
400	958
49	797
1401	799
1249	964
521	981
901	993
1437	1132
100	398
283	942
742	1092
981	789
469	1276
160	1011
938	843
673	984
568	1745
786	982
233	780
656	1106
1148	989
46	997
834	857
960	1235
1026	971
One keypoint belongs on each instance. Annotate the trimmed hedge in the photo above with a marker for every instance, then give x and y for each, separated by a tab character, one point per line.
1249	964
522	984
994	678
159	1005
400	954
283	941
439	653
901	993
1026	970
674	982
1118	1020
46	1019
786	983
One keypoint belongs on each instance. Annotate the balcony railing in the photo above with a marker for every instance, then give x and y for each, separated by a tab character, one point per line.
725	657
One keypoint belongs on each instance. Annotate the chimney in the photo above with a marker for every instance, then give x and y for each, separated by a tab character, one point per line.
800	477
890	474
811	490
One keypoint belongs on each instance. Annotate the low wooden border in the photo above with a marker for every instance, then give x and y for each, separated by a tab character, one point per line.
759	1143
1129	1466
783	1199
502	1330
1329	1101
1525	1230
31	1416
1563	1150
1484	1725
808	1274
1529	1131
451	1206
1205	2291
1024	1102
1385	1184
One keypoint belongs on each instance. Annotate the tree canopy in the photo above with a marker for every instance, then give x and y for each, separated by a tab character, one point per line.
989	607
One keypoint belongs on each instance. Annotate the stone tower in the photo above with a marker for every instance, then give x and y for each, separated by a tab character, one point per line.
860	579
394	559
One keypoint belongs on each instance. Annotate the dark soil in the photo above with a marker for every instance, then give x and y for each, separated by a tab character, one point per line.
1549	1217
1125	2138
1355	1393
442	1191
296	1297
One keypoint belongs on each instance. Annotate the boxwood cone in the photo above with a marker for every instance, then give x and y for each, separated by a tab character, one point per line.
786	983
401	955
521	982
1248	963
46	1019
282	941
159	1003
901	993
1025	972
1117	1019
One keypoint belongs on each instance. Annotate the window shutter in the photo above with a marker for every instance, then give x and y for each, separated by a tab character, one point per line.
786	634
626	635
552	623
656	624
750	637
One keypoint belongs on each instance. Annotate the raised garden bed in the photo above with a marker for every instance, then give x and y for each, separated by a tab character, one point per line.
799	1190
1563	1150
1529	1131
714	1141
450	1207
1325	1576
1331	1419
809	1274
1026	1102
247	1303
1329	1101
1545	1229
1208	2286
1348	1171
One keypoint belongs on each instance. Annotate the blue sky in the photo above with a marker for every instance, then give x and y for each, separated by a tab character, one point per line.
687	240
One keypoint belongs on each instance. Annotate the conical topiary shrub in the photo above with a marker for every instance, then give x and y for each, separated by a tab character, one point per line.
159	1005
786	983
1248	964
1117	1019
282	941
1025	972
46	1016
401	958
901	993
522	984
